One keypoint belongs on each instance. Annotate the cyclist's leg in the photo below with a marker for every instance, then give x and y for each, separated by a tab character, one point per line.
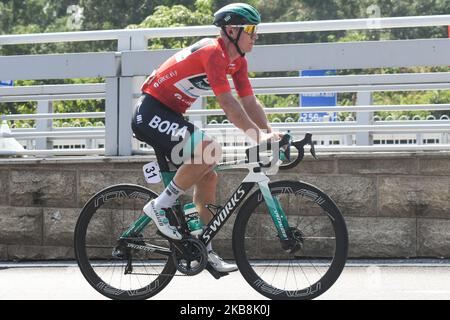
198	155
158	125
201	154
205	193
187	146
198	172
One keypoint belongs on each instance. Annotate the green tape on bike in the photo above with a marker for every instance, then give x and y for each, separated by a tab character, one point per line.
277	214
281	212
167	177
137	227
143	221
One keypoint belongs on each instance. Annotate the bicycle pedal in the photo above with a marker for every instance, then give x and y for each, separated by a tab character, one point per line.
216	274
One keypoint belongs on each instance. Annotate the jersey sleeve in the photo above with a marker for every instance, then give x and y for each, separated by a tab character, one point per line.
241	80
215	67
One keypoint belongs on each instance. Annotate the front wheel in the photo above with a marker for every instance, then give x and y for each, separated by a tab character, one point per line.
318	250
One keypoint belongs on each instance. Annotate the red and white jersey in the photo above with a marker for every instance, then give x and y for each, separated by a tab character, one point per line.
191	72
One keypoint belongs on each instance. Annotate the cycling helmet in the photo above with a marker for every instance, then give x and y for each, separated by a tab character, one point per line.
236	14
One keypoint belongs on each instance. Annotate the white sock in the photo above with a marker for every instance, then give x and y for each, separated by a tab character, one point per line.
209	247
168	197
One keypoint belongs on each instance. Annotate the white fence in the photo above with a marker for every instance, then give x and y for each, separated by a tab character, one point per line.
125	69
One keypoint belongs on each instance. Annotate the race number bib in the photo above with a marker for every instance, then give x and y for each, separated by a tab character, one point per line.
152	173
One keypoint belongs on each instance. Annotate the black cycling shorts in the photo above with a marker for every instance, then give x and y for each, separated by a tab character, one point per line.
167	131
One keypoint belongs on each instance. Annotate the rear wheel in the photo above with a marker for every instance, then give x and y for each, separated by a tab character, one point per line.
306	266
113	268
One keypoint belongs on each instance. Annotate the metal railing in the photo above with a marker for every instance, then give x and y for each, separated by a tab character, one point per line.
123	73
132	37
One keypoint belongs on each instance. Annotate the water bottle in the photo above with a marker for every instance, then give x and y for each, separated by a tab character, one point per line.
193	219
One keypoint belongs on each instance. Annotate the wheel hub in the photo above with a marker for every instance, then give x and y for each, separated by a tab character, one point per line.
295	241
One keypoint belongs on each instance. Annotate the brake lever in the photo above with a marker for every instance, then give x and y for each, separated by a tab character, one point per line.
313	151
286	149
308	141
268	145
287	152
300	146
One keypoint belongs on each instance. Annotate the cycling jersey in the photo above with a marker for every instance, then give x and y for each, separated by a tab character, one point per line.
193	71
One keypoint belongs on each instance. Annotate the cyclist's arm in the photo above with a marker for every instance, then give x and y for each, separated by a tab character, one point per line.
256	112
237	115
251	105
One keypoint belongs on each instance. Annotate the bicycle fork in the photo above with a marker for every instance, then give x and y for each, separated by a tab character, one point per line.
275	210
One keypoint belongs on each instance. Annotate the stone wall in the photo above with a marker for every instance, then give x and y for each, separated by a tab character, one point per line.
396	205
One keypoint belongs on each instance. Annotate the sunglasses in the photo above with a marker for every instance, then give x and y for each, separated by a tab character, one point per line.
251	29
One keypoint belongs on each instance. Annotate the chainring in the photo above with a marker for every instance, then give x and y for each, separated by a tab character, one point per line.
190	256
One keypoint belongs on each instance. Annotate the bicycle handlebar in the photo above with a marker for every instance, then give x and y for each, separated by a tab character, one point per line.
300	146
284	147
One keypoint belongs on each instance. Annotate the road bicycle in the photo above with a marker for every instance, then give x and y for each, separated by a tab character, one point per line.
289	238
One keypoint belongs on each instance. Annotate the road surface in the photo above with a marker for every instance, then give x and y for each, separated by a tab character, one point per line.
360	280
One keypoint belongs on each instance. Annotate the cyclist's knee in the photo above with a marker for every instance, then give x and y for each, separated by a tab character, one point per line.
211	177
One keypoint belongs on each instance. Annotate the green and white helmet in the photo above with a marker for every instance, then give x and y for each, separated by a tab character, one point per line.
236	14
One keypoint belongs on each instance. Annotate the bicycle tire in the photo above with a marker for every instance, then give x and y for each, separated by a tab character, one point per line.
101	213
250	232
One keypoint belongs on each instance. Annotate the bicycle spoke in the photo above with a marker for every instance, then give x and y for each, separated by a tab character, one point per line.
297	267
118	269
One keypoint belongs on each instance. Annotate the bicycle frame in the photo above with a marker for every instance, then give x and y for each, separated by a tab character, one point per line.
255	176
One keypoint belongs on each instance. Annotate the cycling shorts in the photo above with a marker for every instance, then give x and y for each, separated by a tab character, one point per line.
167	131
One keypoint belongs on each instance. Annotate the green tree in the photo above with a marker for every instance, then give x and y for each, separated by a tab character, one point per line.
176	16
114	14
38	16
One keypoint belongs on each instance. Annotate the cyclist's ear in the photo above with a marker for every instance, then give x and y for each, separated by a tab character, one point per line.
230	31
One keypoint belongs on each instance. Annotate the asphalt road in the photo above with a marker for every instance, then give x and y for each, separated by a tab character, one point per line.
361	280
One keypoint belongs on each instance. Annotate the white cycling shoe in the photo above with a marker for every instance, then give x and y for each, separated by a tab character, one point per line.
217	263
161	221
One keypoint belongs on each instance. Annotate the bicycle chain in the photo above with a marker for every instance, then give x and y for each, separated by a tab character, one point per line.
161	274
177	274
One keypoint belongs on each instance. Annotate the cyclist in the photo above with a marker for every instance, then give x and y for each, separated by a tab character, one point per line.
174	87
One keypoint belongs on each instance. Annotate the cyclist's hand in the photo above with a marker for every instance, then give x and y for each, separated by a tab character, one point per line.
277	135
273	136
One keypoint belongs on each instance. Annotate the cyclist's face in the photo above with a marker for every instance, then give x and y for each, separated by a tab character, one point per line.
246	41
